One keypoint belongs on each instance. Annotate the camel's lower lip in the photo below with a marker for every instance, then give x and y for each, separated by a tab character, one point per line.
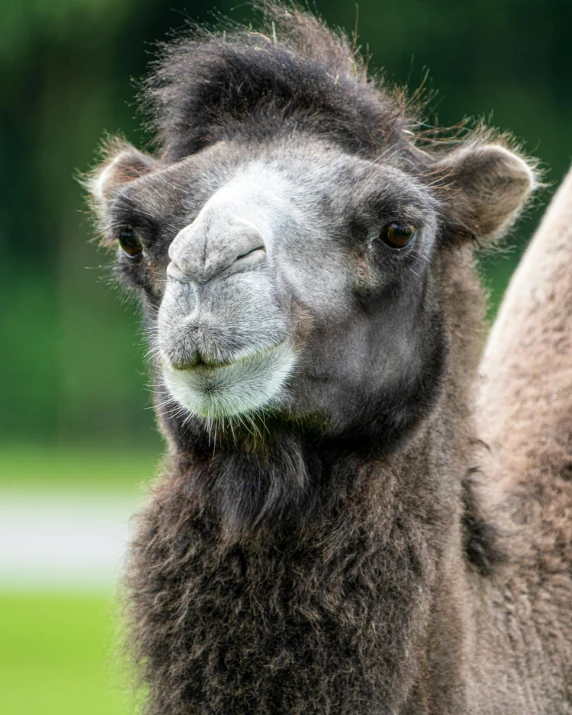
232	388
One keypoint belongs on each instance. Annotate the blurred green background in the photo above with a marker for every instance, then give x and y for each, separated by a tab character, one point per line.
74	415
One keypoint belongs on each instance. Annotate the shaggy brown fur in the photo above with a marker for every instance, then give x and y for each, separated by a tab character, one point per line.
525	414
349	569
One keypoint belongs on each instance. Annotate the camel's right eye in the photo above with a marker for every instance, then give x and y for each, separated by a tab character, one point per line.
129	243
397	235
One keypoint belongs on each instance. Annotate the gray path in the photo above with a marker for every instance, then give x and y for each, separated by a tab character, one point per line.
65	541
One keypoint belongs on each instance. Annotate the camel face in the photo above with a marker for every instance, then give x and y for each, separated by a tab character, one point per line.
288	240
289	279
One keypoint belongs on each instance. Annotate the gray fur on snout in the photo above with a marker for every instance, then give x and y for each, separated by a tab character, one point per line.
222	331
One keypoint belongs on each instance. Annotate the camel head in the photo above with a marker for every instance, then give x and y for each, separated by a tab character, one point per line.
287	238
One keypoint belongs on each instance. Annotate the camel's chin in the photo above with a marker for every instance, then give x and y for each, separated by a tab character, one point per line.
242	387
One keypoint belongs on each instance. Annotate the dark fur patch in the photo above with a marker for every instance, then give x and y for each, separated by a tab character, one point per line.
482	539
217	87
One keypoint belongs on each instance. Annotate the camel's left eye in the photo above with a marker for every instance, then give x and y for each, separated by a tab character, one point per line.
398	235
129	242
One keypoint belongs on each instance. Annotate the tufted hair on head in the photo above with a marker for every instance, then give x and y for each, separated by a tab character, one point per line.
294	73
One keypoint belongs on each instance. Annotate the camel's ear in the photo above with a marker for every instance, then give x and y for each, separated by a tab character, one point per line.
488	185
121	165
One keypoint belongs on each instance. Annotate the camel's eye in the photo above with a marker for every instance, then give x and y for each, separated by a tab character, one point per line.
130	243
398	235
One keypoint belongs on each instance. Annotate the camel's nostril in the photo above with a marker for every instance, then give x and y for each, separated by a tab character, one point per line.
187	268
173	271
252	250
252	256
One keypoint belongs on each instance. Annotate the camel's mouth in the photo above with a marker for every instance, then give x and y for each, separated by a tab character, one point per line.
215	389
206	365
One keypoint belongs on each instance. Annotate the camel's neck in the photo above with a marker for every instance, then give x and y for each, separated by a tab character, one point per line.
349	589
286	479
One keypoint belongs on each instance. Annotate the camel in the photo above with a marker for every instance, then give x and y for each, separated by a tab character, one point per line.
330	532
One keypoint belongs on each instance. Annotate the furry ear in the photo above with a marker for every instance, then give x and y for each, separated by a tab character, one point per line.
122	164
489	185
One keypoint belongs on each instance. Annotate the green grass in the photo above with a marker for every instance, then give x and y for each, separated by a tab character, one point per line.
58	656
32	467
58	652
